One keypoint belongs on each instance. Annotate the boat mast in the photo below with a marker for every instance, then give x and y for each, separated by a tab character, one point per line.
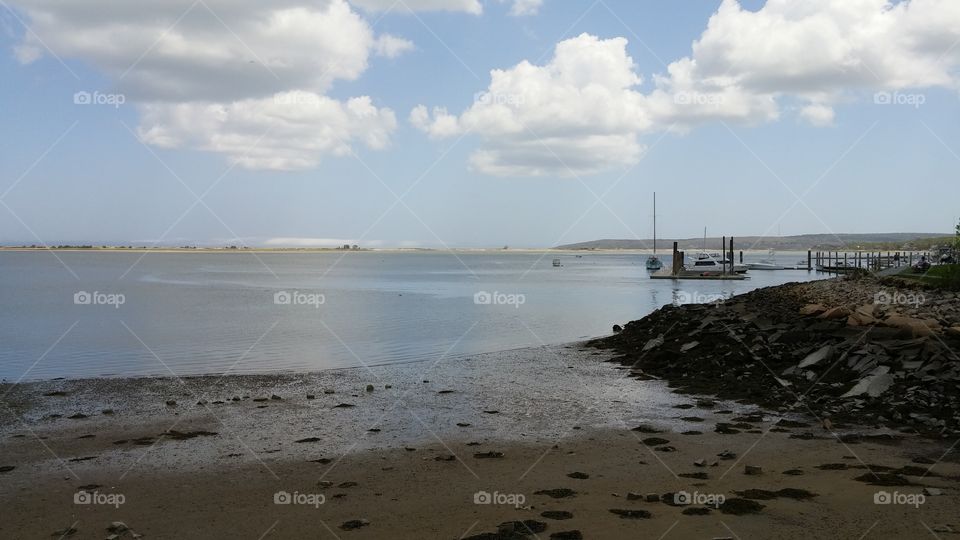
654	223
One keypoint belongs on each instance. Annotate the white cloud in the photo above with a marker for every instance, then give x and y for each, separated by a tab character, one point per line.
288	131
819	51
818	115
584	111
205	75
578	114
397	6
392	46
525	7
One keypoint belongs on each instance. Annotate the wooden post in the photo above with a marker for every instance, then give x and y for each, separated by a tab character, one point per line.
723	249
677	261
732	269
844	259
809	260
741	256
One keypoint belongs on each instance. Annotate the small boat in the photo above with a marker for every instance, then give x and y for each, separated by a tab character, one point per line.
653	262
720	261
556	263
770	263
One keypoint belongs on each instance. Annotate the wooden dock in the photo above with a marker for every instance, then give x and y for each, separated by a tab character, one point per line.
836	262
678	271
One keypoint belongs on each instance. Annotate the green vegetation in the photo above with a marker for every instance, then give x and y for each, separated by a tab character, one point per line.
956	240
944	276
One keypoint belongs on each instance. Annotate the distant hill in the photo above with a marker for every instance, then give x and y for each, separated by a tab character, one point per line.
784	243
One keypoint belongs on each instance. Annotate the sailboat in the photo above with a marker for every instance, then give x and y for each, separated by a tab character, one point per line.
653	262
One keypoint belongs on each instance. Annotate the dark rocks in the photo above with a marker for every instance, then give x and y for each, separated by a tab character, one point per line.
187	435
488	455
892	375
308	440
631	514
752	470
578	475
171	403
654	441
557	493
795	493
567	535
725	428
883	479
354	524
344	406
757	494
738	507
647	429
6	468
558	515
77	416
696	511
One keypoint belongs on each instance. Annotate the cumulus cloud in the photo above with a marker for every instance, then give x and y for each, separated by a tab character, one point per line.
577	114
210	74
818	51
584	111
467	6
288	131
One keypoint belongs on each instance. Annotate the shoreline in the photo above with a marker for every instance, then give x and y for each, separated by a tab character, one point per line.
566	441
566	418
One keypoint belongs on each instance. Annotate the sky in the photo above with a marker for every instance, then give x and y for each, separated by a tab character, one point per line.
474	123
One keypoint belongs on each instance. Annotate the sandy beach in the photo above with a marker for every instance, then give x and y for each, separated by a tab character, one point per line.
557	439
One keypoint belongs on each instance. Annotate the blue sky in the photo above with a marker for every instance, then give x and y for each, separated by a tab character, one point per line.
790	135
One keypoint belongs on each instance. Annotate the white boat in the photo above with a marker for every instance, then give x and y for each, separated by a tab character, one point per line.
653	262
707	263
770	263
721	260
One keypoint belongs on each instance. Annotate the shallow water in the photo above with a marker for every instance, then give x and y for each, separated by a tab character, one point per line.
209	313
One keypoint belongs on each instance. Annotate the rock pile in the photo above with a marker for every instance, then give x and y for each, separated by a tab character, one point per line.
847	349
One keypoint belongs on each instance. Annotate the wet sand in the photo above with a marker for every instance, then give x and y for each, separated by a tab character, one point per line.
415	460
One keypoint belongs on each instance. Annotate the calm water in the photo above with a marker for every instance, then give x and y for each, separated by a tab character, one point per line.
196	313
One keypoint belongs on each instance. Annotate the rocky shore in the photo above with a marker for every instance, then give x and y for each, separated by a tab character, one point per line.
854	349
